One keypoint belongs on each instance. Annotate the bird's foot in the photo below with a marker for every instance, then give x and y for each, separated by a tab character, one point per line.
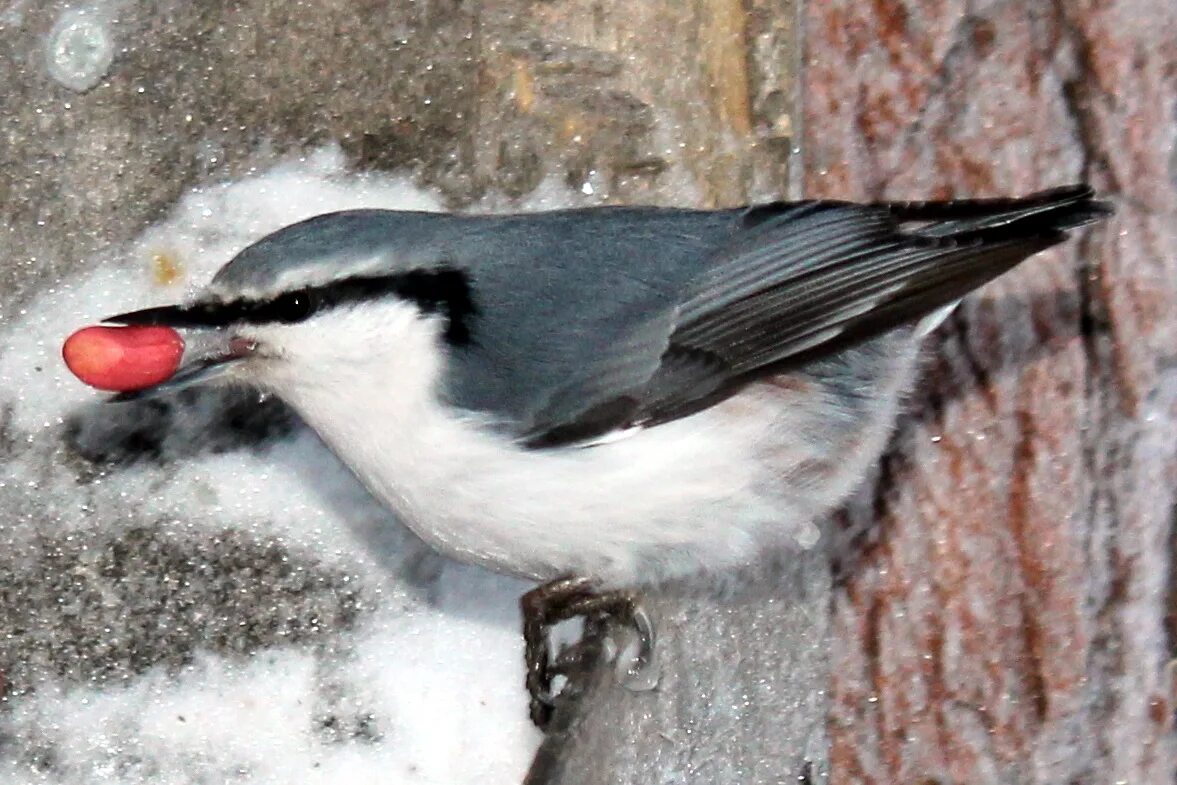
570	598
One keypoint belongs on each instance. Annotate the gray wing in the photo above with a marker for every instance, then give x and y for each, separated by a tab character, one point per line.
811	279
779	286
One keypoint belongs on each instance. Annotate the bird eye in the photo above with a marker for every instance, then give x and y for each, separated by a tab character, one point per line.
293	307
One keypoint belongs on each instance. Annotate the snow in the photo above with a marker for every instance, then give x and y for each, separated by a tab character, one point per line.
422	683
439	690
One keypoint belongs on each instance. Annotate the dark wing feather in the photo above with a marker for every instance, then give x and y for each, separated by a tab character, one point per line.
804	280
820	277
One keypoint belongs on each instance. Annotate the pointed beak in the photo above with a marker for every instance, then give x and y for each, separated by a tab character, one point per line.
179	316
211	351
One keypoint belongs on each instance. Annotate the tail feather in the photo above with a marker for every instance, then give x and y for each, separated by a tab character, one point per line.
812	278
1058	209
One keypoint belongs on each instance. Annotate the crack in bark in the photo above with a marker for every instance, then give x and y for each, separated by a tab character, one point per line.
983	380
1171	590
872	650
1033	674
963	38
1101	448
1078	95
875	178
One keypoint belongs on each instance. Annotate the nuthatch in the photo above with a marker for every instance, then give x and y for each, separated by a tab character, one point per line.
624	395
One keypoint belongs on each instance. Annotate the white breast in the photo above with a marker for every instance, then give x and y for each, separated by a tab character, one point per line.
702	492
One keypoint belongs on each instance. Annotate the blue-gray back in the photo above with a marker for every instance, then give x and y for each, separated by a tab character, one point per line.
588	320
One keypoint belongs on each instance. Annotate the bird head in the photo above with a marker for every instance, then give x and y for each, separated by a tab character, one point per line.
299	307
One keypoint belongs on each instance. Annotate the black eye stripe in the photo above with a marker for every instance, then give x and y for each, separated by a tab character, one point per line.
445	291
287	308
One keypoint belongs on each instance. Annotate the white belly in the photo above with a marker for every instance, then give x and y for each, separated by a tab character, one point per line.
703	492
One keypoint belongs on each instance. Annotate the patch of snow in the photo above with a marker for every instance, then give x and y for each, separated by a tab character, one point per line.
425	687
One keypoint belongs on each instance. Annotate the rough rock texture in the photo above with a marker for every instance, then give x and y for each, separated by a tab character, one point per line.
469	95
1000	615
201	92
741	697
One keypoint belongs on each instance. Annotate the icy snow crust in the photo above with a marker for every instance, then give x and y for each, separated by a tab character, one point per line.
195	596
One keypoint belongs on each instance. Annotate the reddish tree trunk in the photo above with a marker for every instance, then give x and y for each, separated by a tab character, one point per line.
1005	619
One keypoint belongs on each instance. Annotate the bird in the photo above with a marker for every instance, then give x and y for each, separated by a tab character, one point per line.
608	397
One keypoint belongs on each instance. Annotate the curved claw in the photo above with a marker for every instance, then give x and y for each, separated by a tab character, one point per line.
636	665
543	607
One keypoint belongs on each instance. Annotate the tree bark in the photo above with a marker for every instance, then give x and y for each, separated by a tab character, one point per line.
1005	618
